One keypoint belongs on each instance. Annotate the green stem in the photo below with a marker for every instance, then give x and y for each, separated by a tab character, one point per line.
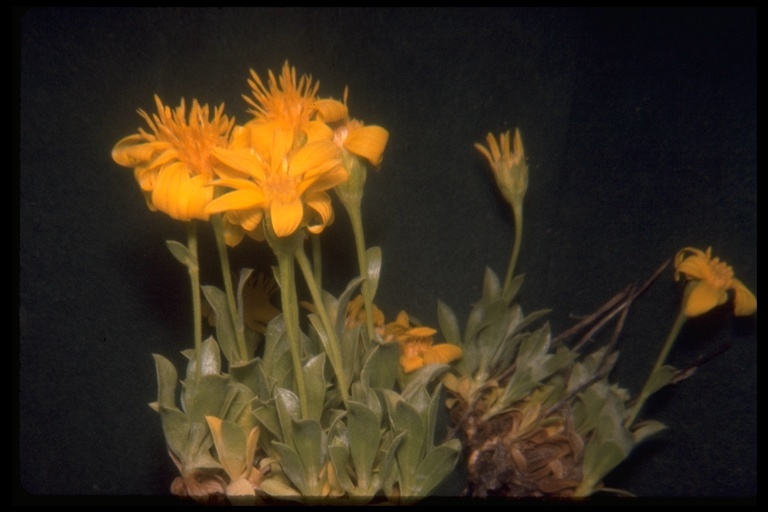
518	215
290	305
194	277
646	392
357	228
333	343
218	231
317	260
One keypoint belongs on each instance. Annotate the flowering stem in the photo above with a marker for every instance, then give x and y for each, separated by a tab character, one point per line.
218	231
285	249
650	383
517	209
194	277
317	260
333	340
357	228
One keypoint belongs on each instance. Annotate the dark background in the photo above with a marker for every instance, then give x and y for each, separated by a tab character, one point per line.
640	132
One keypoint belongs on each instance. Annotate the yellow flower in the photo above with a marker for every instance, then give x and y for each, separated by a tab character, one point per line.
287	185
173	164
416	345
284	111
509	167
712	279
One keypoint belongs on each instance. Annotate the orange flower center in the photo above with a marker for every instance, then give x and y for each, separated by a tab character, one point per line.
280	187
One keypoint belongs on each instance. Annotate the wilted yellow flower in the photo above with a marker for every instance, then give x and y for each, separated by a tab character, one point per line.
173	164
713	279
509	167
287	185
416	345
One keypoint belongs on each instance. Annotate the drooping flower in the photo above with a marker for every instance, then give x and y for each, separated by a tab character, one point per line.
417	347
173	163
711	280
509	167
356	314
287	185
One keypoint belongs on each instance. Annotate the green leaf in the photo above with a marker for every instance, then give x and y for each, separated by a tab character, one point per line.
646	429
225	331
364	429
205	397
373	257
310	443
182	254
167	379
491	286
422	377
343	302
292	467
279	488
381	366
288	408
314	375
230	441
432	470
514	287
660	378
251	374
449	326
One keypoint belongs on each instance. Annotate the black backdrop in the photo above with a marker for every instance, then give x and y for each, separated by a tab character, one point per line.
640	132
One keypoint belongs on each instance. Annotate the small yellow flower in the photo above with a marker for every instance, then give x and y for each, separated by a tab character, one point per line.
509	167
416	345
173	164
712	280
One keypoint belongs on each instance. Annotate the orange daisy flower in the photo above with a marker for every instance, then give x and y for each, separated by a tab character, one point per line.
173	164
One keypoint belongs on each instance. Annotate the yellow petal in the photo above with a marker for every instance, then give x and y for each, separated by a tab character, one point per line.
286	217
445	352
703	298
200	194
171	192
696	267
410	364
236	200
317	131
241	161
744	301
315	158
325	181
330	111
368	142
421	332
321	203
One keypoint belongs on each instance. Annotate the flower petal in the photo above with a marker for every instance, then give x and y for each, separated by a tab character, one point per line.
286	216
330	111
320	203
241	161
744	301
702	298
236	200
445	353
368	142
